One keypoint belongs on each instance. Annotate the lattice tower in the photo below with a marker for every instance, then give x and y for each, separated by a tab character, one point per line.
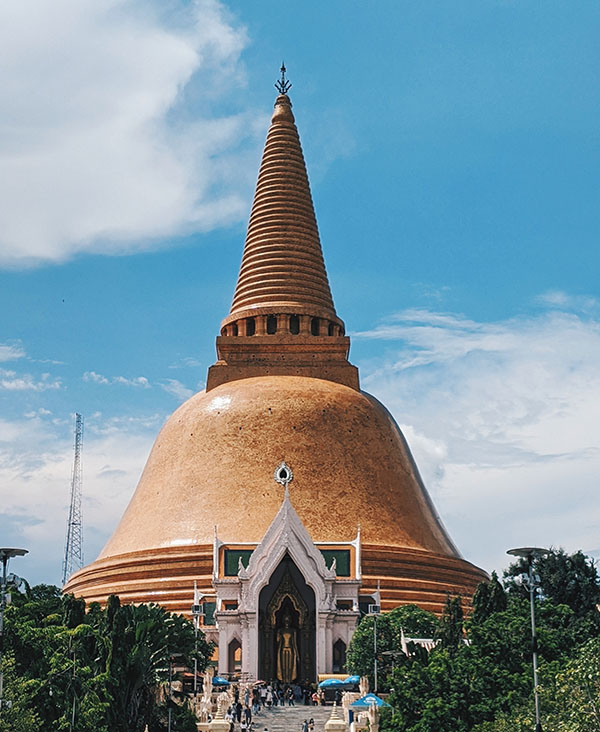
74	543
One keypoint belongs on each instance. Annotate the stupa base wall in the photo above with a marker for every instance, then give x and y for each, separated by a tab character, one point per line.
166	576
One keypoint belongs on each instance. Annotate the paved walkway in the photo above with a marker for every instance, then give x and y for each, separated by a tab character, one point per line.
289	719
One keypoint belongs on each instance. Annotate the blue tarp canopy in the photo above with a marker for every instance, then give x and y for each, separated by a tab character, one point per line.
365	702
352	680
328	683
220	681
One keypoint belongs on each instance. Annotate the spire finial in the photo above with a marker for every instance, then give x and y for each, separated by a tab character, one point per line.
282	85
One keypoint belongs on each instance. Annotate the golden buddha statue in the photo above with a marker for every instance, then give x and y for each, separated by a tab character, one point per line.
287	652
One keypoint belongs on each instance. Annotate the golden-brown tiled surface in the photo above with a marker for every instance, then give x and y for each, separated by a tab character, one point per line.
167	576
213	462
212	465
282	264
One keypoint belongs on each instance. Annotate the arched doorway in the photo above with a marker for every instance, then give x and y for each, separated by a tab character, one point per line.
234	657
287	626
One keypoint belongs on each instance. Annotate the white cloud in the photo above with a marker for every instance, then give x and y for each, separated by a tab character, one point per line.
96	378
177	389
11	351
98	153
562	300
40	412
36	460
187	362
11	381
503	421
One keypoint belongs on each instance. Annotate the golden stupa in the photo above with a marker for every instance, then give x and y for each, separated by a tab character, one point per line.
282	389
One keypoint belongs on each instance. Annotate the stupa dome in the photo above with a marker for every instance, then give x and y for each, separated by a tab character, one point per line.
212	465
211	471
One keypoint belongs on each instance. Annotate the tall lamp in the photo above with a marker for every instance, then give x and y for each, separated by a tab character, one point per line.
6	553
197	613
531	581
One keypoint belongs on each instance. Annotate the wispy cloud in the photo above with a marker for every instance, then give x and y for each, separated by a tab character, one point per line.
12	381
564	301
40	412
11	351
188	362
172	386
177	389
102	90
137	381
503	420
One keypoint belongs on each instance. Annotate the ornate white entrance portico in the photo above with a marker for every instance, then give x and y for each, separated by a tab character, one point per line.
335	612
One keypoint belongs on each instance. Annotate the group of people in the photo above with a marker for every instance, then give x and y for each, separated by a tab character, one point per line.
274	694
267	696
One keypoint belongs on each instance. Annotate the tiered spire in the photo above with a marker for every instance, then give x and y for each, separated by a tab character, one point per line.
282	320
282	266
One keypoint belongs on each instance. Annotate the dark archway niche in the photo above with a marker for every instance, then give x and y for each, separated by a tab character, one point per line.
287	594
339	657
234	657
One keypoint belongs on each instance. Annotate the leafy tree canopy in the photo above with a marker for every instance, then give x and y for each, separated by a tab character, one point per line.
105	666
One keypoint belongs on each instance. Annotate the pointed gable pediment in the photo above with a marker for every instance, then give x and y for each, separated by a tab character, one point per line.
286	535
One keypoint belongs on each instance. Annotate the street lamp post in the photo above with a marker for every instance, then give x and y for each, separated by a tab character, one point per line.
530	554
197	613
6	553
375	610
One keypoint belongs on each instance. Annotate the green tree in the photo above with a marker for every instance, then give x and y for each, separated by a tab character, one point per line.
17	714
449	630
105	666
565	579
489	598
410	620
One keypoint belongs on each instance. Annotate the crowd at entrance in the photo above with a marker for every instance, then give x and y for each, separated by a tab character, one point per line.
258	700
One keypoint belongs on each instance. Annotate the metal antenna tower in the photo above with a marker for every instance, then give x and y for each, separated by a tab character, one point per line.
74	544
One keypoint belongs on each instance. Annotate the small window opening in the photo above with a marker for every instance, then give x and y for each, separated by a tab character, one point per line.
250	326
272	324
294	324
314	326
331	329
235	329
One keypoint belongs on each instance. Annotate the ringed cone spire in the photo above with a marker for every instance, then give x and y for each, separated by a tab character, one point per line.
282	270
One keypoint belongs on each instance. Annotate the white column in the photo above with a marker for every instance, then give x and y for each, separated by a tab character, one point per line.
251	639
223	640
321	644
246	668
328	646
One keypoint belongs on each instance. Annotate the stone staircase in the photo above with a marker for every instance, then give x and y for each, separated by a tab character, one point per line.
290	719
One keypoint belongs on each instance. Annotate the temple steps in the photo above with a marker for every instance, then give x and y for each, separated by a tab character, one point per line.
289	719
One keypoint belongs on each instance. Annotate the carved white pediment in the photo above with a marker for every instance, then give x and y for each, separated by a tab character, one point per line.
286	534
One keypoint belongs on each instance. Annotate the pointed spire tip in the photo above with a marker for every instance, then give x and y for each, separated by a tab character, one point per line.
283	85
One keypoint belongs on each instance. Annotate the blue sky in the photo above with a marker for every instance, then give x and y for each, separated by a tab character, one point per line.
453	151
